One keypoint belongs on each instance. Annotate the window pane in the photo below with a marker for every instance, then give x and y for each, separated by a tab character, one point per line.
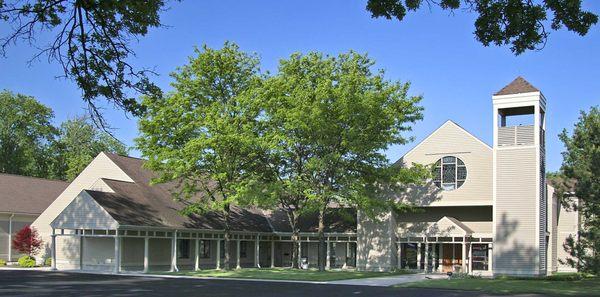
459	161
461	173
437	174
451	186
459	184
449	159
449	174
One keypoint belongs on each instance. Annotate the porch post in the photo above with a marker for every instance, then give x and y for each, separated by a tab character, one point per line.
146	247
174	252
470	258
490	257
328	260
197	256
418	255
272	253
399	262
117	268
81	252
257	252
346	256
464	256
299	253
218	253
426	268
434	256
237	252
10	237
53	249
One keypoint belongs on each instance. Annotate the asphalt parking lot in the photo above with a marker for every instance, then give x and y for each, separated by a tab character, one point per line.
53	283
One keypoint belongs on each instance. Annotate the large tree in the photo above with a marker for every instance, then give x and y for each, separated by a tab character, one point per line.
26	135
201	134
91	43
331	119
522	24
579	185
79	141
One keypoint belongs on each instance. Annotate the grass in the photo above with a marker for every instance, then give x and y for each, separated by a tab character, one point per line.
557	285
288	274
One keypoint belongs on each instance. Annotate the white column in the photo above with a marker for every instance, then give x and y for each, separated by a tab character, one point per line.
117	268
237	252
53	249
433	256
426	265
299	254
218	253
257	252
453	254
464	257
346	256
470	258
490	257
174	252
399	262
197	256
81	252
10	237
328	261
272	253
418	255
146	248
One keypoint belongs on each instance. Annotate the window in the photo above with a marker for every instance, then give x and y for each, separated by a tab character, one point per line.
204	249
449	173
243	249
183	248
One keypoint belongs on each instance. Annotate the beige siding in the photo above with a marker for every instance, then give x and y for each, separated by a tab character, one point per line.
451	140
568	226
477	218
376	242
84	213
100	167
552	226
18	222
516	239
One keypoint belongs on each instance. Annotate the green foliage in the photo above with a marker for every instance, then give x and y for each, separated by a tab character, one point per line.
48	262
79	142
579	184
26	134
202	134
30	145
27	261
2	262
91	43
520	23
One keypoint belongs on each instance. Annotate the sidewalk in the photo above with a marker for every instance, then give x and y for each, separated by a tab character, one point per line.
388	280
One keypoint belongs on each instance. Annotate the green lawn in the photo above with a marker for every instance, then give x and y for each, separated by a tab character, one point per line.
559	285
288	274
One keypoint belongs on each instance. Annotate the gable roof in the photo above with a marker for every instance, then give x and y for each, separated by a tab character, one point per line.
449	226
517	86
446	123
142	204
28	195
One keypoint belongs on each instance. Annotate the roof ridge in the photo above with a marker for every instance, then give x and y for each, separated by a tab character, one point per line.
35	177
518	85
124	156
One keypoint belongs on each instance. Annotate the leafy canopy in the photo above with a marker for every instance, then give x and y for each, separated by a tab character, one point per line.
579	183
27	241
91	43
520	23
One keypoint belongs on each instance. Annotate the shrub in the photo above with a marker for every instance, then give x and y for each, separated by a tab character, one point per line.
27	241
2	262
27	261
48	261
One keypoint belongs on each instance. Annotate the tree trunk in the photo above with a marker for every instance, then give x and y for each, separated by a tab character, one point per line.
322	245
293	217
227	238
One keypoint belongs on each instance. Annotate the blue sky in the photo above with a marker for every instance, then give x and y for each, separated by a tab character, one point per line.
434	50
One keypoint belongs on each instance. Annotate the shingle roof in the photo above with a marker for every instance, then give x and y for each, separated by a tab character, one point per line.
142	204
28	195
517	86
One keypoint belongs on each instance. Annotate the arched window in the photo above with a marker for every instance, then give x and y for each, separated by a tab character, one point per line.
449	173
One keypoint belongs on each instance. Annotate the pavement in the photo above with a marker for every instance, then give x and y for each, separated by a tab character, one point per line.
22	282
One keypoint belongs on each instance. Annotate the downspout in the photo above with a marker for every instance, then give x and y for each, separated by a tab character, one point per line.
10	237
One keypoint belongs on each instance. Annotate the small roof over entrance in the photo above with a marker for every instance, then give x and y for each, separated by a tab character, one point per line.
448	226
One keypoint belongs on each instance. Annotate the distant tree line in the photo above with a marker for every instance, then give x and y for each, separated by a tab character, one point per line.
31	145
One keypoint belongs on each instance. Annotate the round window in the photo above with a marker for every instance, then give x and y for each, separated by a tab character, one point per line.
449	173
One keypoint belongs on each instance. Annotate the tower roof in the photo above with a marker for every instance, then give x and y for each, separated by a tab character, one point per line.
517	86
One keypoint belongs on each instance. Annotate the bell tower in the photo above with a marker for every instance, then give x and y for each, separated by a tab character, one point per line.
519	186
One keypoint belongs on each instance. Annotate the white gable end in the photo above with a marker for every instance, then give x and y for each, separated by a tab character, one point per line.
452	140
84	213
